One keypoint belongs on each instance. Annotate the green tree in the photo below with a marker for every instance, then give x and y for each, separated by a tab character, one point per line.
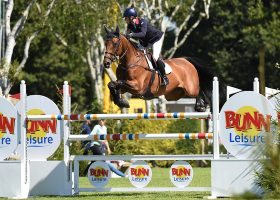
17	26
262	32
230	41
78	26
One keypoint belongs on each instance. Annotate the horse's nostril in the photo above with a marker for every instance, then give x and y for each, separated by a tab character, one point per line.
107	64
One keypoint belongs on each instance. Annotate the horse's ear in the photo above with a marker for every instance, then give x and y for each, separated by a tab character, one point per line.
117	32
106	29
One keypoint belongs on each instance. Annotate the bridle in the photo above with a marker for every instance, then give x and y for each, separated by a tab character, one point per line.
114	56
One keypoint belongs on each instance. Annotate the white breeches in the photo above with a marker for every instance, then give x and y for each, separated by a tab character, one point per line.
157	48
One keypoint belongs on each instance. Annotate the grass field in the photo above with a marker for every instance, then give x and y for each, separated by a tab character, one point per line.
160	178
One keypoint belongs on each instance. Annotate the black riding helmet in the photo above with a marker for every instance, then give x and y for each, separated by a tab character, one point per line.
130	12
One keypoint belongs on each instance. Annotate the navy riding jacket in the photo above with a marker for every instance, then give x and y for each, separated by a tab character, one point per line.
144	32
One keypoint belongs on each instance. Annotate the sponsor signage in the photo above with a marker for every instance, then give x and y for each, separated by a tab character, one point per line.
43	136
245	120
8	129
181	174
99	174
140	174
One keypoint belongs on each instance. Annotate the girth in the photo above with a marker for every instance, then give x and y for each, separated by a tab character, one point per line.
147	94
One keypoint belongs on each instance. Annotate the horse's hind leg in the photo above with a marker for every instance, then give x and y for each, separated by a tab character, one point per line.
113	87
200	105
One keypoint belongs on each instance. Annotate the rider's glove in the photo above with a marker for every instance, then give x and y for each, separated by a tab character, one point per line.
129	35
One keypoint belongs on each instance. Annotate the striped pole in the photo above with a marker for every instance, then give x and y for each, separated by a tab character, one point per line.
150	136
82	117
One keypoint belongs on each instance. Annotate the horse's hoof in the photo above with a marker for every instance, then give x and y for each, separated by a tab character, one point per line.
200	108
200	105
123	103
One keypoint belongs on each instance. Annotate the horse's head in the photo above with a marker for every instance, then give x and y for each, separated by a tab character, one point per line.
112	45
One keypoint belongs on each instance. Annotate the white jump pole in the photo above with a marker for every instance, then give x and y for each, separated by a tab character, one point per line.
24	162
66	124
66	130
215	118
256	85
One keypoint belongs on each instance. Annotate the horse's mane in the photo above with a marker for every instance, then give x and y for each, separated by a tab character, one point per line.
133	44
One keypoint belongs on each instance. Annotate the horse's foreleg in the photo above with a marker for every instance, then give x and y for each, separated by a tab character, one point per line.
114	92
114	88
123	103
131	87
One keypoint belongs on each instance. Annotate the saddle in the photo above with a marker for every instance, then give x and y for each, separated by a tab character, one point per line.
155	65
149	56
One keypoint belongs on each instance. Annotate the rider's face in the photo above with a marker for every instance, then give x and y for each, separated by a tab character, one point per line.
128	20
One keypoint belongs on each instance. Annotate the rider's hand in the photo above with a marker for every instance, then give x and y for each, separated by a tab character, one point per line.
129	35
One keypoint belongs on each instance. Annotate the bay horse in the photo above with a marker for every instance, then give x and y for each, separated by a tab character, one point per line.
187	79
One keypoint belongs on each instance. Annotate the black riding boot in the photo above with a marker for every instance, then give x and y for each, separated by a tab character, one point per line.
161	69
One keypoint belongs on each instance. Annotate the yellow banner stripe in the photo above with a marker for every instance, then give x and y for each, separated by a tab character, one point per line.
82	117
168	115
94	117
136	137
181	115
192	136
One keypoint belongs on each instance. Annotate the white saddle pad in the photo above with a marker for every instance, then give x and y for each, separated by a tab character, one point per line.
168	69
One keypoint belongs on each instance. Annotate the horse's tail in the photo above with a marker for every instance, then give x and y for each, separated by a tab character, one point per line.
206	75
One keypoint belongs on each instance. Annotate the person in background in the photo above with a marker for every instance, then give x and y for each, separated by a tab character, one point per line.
102	147
86	130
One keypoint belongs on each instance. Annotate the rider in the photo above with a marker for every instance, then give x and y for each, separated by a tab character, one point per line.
147	35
